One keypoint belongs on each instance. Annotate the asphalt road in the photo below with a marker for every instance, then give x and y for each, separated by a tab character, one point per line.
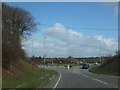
80	78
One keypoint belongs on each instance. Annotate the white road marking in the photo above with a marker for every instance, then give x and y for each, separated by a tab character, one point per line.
99	80
95	79
57	81
85	76
77	72
91	77
52	77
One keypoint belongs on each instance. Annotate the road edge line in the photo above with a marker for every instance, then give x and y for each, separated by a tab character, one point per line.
57	81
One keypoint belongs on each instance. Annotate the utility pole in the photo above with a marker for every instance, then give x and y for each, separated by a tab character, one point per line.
101	51
32	46
32	49
44	50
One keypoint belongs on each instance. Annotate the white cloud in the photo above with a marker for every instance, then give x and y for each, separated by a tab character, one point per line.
58	31
62	41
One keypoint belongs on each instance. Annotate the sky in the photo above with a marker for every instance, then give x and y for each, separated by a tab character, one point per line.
78	29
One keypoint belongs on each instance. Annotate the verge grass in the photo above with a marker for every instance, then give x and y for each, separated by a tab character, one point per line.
32	77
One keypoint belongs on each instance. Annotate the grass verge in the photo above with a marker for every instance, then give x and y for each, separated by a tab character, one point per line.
31	77
102	70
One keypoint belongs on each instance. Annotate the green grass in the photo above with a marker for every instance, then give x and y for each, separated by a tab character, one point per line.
109	67
102	70
31	77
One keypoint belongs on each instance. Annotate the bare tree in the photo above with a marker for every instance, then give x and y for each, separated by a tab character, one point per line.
16	24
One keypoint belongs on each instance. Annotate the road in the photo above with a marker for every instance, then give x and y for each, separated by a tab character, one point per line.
81	78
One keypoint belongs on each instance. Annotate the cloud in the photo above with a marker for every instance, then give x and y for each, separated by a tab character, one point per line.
58	31
64	42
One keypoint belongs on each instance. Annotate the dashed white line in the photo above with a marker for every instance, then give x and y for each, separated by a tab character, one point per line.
91	78
57	81
85	76
99	80
95	79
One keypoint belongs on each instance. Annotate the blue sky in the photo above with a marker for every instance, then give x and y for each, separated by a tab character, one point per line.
77	15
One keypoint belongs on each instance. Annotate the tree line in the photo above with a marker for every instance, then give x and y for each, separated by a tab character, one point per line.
16	24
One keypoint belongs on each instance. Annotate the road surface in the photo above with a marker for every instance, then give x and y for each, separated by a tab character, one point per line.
81	78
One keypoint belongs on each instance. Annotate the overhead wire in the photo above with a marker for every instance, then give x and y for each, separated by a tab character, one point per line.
81	28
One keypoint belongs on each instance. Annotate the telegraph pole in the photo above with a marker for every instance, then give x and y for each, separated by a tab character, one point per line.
32	49
101	51
44	50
